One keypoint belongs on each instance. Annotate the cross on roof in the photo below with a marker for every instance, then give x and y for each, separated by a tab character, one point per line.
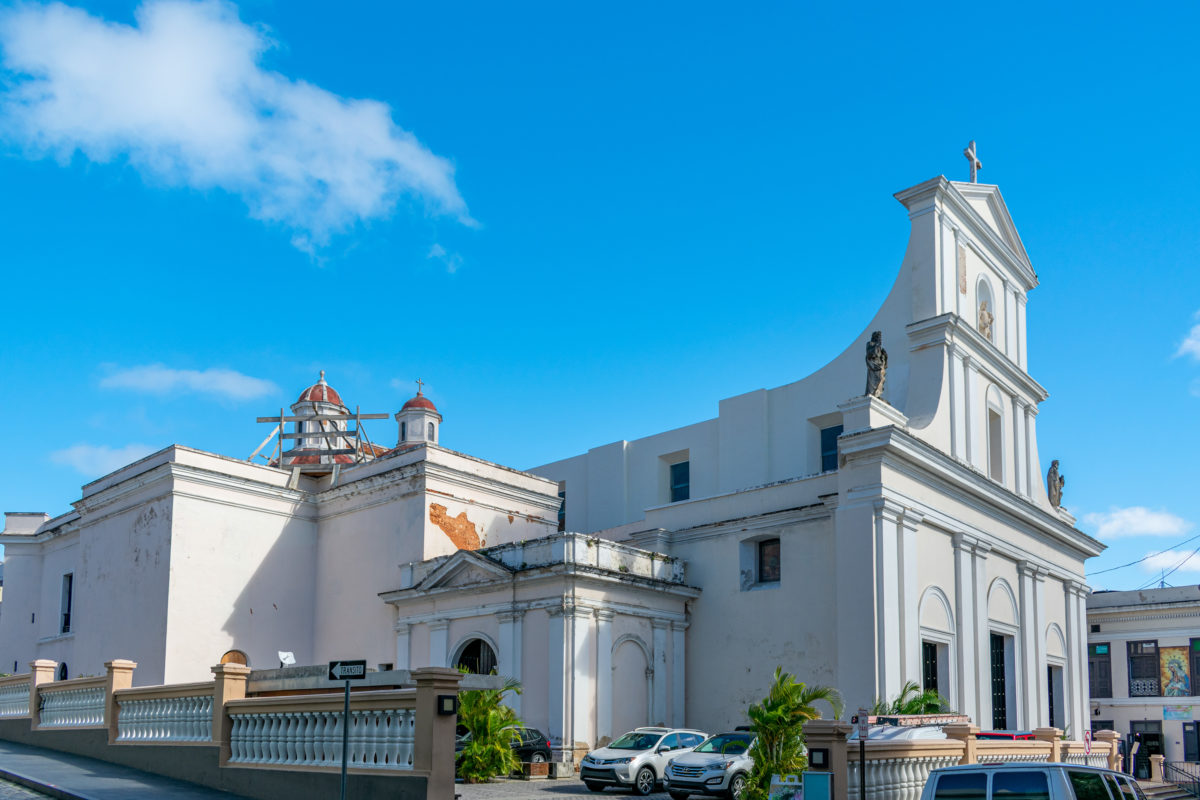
974	161
420	383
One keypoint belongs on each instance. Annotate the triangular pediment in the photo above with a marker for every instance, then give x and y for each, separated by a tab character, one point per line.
986	201
465	568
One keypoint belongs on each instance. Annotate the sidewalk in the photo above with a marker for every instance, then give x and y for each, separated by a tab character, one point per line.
71	777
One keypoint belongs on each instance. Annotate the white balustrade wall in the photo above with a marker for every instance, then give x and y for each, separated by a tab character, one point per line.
1001	758
897	778
379	738
165	719
14	699
1093	760
72	708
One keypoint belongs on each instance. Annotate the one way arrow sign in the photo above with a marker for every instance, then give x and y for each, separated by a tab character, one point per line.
347	670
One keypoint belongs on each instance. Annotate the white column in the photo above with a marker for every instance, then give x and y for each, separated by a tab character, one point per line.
1028	678
1039	621
1033	481
438	657
910	624
403	635
958	393
659	702
888	598
1010	320
1021	337
555	680
678	672
975	453
583	674
1071	684
509	657
604	688
983	636
965	676
1077	657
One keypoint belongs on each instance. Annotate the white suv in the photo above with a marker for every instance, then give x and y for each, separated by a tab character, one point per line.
718	766
1030	781
637	760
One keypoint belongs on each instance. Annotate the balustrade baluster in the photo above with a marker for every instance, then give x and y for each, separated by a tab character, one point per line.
293	738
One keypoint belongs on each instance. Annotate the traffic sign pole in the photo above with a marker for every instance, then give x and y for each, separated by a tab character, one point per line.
346	671
345	737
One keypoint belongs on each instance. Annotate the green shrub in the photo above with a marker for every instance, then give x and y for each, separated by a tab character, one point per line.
491	729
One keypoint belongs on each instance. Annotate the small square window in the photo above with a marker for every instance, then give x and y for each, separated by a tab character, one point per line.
768	561
681	481
829	450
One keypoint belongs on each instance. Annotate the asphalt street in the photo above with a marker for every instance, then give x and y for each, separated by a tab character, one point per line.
11	791
557	789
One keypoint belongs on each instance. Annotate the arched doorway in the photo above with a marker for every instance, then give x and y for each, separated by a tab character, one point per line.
477	657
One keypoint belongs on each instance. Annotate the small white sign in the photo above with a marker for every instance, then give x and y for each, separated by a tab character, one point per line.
1087	742
864	727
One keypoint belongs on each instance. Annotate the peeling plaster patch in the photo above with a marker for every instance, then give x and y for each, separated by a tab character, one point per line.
510	519
460	529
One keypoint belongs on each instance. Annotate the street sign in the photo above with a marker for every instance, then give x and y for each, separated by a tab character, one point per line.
1087	743
863	721
347	670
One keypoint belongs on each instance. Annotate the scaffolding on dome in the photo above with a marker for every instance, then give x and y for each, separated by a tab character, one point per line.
338	446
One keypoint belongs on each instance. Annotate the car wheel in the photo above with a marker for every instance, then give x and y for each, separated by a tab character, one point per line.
537	758
594	787
737	786
643	784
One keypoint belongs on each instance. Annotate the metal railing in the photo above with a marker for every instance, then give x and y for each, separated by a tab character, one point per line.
1184	774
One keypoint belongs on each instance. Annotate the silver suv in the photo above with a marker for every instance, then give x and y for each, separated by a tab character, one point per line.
1034	781
638	759
717	766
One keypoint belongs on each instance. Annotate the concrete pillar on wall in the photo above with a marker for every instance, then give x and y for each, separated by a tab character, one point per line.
889	597
604	675
582	675
659	701
678	672
1016	441
1039	620
438	655
556	677
983	635
958	396
965	621
1032	480
1030	677
403	649
973	416
1021	337
1076	612
910	596
509	657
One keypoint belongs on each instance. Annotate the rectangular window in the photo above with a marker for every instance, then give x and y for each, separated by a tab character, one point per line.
1020	785
929	665
562	507
68	586
999	685
1099	670
1194	663
768	561
829	453
1143	669
995	443
963	786
681	481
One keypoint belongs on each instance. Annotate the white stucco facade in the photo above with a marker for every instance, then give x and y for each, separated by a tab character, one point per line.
916	543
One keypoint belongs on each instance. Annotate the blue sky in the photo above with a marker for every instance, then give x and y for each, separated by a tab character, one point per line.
579	222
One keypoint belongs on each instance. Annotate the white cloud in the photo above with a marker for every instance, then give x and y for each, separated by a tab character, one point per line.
452	261
1191	344
160	379
95	460
1117	523
1168	559
184	99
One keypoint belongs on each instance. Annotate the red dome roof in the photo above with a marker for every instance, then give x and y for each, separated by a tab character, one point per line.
420	401
321	392
341	458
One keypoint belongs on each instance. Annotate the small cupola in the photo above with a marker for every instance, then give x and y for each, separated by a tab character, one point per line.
419	421
316	436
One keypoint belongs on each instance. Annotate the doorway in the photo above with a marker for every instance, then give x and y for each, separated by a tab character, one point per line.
1149	735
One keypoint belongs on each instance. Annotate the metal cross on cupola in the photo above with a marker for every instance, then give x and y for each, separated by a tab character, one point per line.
974	161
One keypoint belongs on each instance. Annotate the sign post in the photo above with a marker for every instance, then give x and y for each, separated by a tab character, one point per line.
863	720
346	671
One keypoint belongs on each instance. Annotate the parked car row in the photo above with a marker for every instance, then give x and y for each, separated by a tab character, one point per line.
684	761
1030	781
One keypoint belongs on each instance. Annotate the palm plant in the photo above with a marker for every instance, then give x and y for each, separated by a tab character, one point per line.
912	700
491	729
778	724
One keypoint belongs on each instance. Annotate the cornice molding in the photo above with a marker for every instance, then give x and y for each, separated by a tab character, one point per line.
980	353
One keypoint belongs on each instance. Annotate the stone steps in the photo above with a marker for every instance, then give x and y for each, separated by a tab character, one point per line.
1164	791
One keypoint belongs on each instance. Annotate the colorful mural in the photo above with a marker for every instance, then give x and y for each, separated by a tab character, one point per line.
1173	671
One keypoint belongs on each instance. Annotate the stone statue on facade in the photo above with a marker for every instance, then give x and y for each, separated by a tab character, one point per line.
985	320
876	365
1054	484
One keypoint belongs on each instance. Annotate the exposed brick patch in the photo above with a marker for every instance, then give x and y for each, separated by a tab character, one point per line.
460	529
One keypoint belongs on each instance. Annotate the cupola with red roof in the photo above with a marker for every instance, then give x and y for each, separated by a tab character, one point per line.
419	420
317	401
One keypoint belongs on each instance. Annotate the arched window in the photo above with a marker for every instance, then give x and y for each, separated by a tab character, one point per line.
432	433
477	657
985	310
995	435
404	431
62	671
235	657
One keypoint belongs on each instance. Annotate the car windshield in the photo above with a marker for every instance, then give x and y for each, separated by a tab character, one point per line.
635	741
727	744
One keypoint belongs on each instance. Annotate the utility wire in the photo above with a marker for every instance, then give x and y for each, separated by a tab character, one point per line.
1164	576
1143	558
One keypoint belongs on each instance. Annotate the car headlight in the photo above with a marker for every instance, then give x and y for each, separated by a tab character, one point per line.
620	760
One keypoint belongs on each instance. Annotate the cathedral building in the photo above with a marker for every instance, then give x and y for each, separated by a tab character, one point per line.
881	521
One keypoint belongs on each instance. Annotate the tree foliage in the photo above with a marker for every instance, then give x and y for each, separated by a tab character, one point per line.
491	729
778	724
912	700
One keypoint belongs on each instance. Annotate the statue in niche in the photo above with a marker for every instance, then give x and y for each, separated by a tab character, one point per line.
985	320
1054	484
876	365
